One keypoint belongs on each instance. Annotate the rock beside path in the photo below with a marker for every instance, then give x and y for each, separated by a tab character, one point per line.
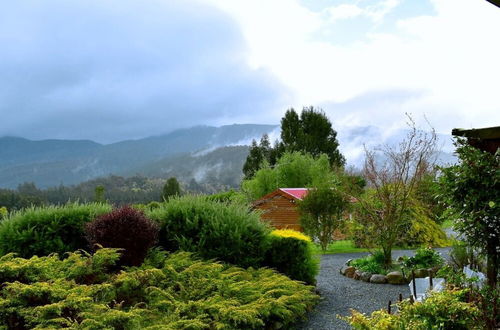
395	278
378	279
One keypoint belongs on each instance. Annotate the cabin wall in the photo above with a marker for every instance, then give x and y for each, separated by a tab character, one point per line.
280	212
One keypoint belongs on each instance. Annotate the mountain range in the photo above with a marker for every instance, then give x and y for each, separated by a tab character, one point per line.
198	152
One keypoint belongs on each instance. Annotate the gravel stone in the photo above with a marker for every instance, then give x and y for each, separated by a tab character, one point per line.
340	293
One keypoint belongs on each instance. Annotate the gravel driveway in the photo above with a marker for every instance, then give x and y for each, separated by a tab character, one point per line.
339	294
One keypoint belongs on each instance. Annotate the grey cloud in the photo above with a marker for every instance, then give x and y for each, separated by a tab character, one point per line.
116	69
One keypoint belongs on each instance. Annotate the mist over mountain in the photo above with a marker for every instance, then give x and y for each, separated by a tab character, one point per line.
196	155
54	162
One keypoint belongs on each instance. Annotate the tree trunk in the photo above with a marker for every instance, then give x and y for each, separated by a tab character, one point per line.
387	250
492	264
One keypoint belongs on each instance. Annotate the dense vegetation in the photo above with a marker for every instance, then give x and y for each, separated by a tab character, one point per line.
310	133
45	230
167	291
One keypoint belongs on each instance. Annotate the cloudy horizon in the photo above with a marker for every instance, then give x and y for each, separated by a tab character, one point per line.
115	70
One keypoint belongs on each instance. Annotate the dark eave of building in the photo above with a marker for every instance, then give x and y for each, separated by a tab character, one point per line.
488	133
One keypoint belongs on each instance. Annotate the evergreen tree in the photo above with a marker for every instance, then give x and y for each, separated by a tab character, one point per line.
99	194
311	133
171	188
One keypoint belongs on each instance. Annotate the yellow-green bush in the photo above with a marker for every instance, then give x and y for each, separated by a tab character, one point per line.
445	310
291	233
291	253
49	229
182	293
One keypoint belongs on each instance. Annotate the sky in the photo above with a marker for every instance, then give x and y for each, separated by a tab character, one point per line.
109	70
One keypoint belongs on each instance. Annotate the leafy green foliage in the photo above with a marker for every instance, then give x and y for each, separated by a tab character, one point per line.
45	230
3	212
292	257
291	170
471	189
373	263
424	258
225	231
322	212
181	293
171	189
125	228
445	310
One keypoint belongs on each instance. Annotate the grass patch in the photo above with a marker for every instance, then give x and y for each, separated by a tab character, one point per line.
345	246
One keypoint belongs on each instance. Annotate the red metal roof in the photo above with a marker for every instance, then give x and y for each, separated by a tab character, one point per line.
298	193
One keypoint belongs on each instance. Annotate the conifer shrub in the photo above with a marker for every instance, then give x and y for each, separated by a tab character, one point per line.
125	228
292	254
49	229
182	293
225	231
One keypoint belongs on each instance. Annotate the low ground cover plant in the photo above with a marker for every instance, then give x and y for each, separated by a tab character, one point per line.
373	263
168	292
45	230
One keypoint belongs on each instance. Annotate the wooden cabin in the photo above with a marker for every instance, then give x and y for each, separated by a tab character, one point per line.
279	208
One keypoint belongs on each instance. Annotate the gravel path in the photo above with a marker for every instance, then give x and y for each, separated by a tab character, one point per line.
339	294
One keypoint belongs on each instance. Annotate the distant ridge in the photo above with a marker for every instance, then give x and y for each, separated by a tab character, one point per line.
52	162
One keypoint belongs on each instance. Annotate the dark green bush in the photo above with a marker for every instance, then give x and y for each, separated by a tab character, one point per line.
183	293
292	257
125	228
44	230
223	231
424	258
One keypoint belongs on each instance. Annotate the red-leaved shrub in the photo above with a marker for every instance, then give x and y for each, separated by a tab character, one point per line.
125	228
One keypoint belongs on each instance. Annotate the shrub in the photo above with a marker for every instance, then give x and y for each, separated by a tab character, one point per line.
424	258
184	293
373	263
443	310
292	256
124	228
44	230
224	231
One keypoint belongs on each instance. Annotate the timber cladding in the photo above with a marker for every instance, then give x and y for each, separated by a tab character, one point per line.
280	210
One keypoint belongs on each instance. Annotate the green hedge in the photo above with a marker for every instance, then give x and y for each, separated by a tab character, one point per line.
181	293
223	231
292	257
44	230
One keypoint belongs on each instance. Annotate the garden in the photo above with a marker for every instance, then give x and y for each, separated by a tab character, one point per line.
191	263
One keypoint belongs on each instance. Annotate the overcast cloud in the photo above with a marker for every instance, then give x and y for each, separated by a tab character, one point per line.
115	69
109	70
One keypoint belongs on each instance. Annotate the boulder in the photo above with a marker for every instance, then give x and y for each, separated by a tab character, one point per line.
365	276
347	271
378	278
357	274
395	278
421	273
